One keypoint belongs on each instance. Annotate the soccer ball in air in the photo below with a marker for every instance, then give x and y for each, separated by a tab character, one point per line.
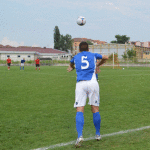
81	21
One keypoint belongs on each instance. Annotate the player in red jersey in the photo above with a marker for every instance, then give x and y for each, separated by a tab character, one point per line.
8	63
37	63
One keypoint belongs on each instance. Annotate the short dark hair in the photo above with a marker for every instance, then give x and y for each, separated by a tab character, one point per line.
83	46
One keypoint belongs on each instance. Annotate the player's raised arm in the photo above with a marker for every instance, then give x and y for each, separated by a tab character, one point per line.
104	58
72	65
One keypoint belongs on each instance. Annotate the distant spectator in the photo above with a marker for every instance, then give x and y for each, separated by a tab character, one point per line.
22	63
8	63
37	63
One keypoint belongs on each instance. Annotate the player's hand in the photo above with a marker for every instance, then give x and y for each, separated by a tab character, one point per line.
69	69
98	70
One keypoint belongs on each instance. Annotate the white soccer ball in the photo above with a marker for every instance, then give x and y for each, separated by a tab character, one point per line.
81	21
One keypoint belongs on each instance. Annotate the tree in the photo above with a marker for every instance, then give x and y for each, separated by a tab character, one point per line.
121	39
113	41
62	42
66	42
56	38
89	42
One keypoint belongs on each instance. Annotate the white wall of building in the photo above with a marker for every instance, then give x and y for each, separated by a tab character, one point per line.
138	43
32	56
17	56
146	44
56	56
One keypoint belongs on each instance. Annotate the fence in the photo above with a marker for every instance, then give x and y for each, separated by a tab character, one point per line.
116	52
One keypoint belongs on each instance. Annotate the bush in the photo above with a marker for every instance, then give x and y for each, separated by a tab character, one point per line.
2	61
43	62
30	62
115	57
61	61
130	54
15	62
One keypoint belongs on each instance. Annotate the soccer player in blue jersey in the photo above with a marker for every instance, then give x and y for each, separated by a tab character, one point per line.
22	63
86	86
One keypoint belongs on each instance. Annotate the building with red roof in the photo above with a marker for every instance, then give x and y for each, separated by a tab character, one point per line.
30	53
77	41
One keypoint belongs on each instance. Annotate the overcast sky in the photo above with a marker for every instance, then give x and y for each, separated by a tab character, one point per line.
31	22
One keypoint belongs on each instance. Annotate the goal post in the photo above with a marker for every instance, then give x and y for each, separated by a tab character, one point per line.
112	62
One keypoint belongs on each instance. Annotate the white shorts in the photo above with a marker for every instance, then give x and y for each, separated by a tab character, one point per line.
84	90
22	64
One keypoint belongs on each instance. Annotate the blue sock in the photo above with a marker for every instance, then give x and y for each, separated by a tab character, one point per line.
97	121
23	68
20	68
79	123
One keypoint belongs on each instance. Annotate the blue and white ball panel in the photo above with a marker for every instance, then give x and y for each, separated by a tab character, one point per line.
84	90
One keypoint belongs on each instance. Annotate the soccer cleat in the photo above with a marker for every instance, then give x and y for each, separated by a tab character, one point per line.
98	137
79	142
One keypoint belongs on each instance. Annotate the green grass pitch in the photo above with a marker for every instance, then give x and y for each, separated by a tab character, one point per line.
36	108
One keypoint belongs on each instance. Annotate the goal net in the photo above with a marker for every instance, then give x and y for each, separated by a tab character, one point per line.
112	62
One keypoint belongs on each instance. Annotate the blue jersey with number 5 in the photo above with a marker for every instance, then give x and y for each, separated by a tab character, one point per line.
85	64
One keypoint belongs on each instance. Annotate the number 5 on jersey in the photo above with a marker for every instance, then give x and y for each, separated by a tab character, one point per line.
83	60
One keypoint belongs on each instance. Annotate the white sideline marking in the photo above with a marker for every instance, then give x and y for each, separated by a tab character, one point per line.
91	138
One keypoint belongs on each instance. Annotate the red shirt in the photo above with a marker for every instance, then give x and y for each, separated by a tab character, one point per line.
37	61
9	61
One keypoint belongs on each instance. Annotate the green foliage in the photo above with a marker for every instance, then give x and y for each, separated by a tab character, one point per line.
42	62
115	57
113	41
89	42
29	62
56	38
121	39
129	54
46	62
66	42
62	42
15	62
2	61
61	61
124	56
